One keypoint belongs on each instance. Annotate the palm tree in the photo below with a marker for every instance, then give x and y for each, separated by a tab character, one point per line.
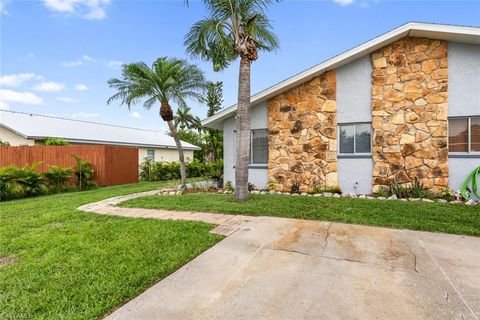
235	28
183	119
168	80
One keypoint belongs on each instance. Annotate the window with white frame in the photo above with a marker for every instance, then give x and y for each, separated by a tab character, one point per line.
150	154
259	146
464	135
355	138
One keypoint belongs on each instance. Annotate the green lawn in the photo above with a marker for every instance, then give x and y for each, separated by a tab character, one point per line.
77	265
450	218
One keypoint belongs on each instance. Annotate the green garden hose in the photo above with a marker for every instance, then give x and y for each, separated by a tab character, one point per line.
473	179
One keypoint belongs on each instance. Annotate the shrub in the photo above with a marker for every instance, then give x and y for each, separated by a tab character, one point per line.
57	177
414	190
295	188
21	182
4	143
84	173
229	186
158	171
318	188
55	142
447	194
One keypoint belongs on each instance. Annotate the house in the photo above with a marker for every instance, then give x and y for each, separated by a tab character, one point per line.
404	105
19	128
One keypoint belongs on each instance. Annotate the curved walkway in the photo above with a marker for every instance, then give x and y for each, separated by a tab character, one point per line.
226	223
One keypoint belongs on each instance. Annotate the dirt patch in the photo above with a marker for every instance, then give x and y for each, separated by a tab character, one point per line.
5	261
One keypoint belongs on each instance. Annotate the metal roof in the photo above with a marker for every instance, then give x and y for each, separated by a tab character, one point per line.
35	126
412	29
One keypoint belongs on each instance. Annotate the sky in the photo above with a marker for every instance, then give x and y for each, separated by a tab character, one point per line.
56	56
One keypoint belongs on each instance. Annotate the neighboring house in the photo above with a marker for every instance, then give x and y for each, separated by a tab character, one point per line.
404	105
20	129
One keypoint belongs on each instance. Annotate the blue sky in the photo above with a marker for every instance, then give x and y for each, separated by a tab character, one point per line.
57	55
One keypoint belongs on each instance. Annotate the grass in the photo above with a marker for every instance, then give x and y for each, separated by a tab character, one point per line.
76	265
449	218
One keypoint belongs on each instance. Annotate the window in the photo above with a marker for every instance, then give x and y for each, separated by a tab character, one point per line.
464	135
355	138
259	146
150	154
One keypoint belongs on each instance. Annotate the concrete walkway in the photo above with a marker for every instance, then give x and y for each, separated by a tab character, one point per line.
275	268
226	223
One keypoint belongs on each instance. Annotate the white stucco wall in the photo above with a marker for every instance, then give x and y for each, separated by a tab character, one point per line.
14	139
355	175
257	174
463	100
167	155
354	89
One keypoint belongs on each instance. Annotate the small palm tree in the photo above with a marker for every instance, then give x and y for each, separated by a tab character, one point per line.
235	28
185	120
168	80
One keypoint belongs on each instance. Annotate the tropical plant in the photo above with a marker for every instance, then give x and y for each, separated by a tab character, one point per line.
213	99
472	179
167	81
235	29
21	182
84	173
4	143
183	119
295	188
55	142
57	177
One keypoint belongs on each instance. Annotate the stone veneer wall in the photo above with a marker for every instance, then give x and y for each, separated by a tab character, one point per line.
302	135
409	113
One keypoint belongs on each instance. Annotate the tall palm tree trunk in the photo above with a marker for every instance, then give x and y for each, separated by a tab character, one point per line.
181	157
243	131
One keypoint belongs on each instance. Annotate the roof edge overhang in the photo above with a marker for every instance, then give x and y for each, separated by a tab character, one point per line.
414	29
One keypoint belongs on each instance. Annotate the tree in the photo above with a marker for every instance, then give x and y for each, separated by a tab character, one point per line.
235	29
214	99
185	120
168	80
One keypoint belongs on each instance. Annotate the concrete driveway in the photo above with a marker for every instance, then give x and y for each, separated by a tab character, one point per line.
276	268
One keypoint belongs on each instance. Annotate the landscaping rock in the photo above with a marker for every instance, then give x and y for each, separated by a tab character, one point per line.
403	199
336	195
304	194
172	193
442	201
414	199
381	198
294	194
327	194
456	202
362	196
272	192
471	202
427	200
393	197
317	195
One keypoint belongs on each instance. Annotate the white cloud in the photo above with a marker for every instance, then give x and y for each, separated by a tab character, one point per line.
88	58
72	63
343	2
84	115
114	64
25	97
49	86
66	99
15	80
81	87
88	9
135	115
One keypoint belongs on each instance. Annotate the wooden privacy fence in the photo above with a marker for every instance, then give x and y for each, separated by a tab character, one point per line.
113	165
